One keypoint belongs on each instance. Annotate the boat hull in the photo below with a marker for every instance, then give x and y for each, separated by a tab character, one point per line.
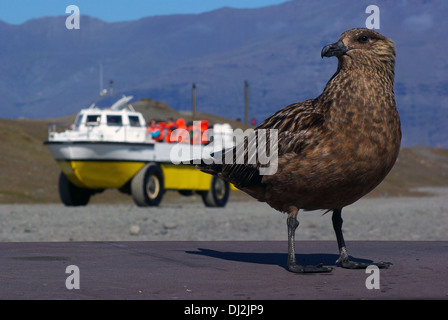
104	165
100	174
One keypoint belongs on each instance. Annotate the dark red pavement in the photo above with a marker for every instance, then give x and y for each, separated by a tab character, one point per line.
218	270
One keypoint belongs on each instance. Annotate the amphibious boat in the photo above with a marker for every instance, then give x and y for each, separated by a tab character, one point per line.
110	148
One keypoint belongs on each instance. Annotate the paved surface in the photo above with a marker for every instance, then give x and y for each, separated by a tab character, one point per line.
204	270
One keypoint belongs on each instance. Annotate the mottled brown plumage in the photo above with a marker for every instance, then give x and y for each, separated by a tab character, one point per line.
335	148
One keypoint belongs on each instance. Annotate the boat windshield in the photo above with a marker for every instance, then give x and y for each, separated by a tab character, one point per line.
93	119
78	120
133	121
114	120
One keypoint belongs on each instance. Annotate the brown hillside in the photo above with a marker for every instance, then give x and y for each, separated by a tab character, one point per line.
29	174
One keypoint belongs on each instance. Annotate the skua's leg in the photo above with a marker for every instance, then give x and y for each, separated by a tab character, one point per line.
344	259
292	265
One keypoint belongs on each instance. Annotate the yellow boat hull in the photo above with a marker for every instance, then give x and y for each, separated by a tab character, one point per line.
183	177
100	174
115	174
112	165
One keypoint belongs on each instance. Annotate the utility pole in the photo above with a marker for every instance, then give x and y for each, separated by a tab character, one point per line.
111	87
101	78
246	102
194	101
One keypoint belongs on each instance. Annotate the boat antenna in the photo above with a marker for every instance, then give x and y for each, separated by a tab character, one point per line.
101	78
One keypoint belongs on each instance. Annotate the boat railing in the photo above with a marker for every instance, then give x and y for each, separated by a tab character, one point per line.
96	132
61	126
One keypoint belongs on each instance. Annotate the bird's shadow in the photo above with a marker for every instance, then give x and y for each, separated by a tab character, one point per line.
278	259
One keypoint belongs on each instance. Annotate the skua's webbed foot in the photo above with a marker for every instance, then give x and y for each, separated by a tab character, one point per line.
345	262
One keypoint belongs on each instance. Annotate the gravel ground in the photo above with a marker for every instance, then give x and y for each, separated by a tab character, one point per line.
407	218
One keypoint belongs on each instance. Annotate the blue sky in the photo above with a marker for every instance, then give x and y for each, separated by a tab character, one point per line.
19	11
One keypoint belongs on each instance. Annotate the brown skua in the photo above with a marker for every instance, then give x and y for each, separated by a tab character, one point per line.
331	150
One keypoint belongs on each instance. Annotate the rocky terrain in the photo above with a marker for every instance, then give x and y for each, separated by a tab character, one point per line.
392	218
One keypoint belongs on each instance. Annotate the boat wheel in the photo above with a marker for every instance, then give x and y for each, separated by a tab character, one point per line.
72	195
153	187
218	194
147	186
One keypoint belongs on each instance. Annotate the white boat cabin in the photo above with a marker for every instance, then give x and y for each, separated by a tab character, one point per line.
119	123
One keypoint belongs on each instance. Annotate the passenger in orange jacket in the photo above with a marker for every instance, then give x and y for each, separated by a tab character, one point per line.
153	130
180	124
180	134
156	131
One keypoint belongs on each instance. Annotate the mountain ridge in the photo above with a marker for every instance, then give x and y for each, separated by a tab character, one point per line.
49	71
